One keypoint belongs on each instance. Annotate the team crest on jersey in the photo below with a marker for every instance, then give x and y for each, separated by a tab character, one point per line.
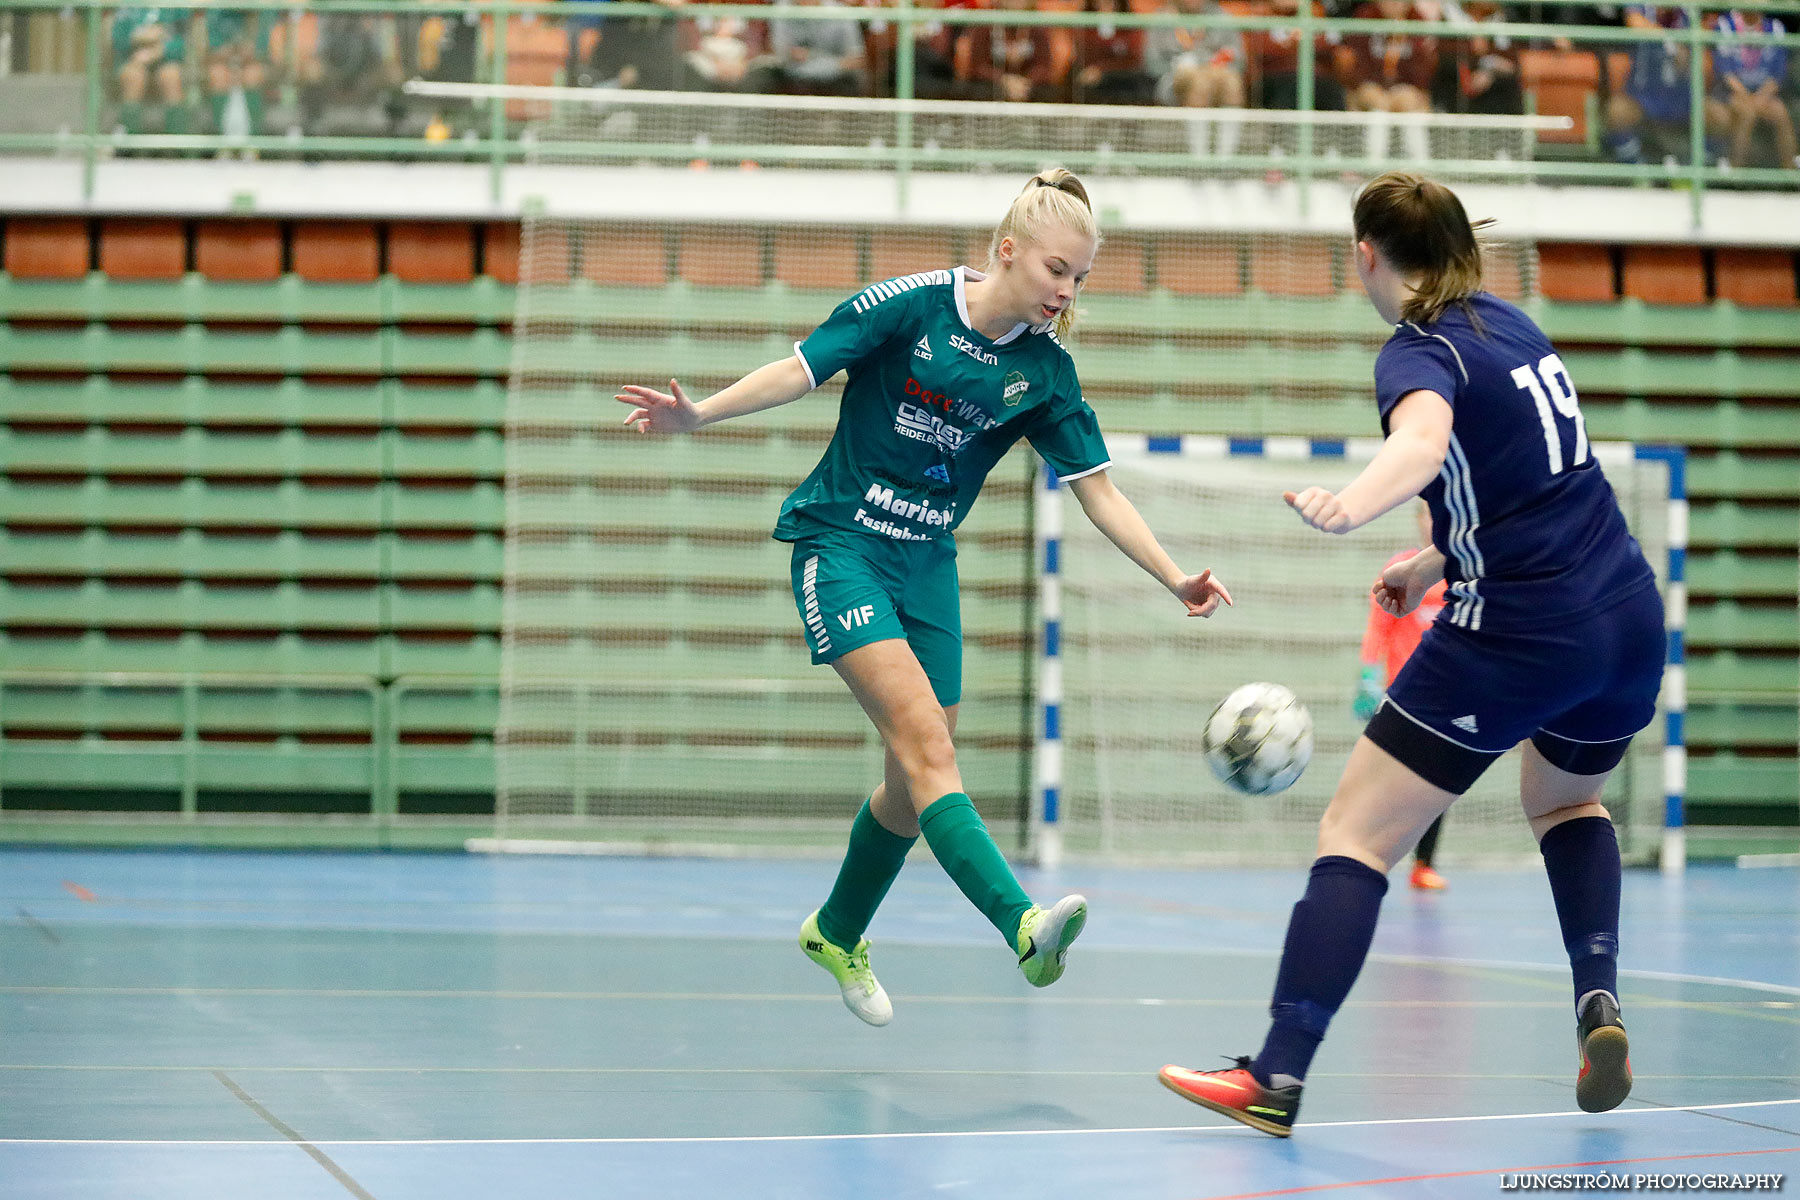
923	349
1016	386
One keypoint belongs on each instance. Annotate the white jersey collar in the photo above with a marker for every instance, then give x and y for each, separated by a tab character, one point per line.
964	276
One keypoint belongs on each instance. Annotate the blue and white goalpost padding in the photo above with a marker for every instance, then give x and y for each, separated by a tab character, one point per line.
1049	828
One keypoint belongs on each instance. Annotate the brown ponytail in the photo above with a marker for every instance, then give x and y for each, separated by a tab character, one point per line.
1421	229
1056	197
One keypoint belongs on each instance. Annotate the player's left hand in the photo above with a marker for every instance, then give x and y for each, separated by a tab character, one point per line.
1201	593
1321	509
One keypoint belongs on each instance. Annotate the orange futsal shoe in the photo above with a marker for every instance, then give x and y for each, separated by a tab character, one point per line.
1424	879
1236	1094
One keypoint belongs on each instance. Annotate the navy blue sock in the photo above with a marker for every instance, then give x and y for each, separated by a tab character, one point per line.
1582	859
1327	940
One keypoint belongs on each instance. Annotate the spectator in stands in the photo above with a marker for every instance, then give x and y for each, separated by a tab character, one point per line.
1013	62
1275	61
729	57
1109	62
356	67
1200	67
149	46
1648	121
237	70
934	53
1752	77
819	58
632	52
1480	73
1389	73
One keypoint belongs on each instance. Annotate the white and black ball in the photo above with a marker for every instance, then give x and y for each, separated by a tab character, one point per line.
1259	739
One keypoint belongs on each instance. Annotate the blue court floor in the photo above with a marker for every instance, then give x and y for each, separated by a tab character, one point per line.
193	1026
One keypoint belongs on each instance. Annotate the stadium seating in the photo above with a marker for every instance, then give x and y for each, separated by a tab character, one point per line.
251	517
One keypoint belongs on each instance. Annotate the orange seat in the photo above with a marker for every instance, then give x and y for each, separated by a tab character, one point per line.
1761	277
500	250
1191	267
1120	270
638	256
1292	266
47	247
143	248
1561	81
1665	274
238	251
548	258
721	257
431	251
819	258
336	251
1576	272
896	252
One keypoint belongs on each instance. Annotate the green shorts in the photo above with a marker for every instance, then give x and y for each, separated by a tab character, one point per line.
854	589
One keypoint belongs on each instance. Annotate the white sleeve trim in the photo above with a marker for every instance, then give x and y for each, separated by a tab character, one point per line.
1060	478
805	366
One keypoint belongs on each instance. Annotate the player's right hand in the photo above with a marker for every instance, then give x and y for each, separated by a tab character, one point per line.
659	412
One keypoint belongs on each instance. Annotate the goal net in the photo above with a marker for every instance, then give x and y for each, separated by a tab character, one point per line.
1139	678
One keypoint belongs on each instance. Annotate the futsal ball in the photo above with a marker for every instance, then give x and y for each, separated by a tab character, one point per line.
1259	739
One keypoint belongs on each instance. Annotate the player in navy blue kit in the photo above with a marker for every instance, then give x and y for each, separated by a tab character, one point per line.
1551	635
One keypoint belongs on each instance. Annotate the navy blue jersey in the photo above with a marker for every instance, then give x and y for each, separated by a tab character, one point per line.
1528	525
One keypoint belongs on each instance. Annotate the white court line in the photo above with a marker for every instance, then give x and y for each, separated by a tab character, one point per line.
882	1137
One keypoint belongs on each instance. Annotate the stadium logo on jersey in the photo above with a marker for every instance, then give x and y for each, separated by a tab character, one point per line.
923	349
1467	724
941	473
958	342
1016	387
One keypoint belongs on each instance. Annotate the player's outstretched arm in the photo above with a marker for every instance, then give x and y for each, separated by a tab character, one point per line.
1116	517
1418	439
770	386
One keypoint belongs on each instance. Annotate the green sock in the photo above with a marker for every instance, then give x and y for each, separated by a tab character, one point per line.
217	101
131	116
253	101
875	856
955	833
175	119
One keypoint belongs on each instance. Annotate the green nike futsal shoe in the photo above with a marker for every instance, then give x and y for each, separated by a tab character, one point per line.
1045	935
862	992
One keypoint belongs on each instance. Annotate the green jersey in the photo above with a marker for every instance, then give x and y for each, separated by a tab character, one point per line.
929	406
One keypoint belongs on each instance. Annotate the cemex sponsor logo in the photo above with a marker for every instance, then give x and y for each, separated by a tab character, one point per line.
959	342
922	426
923	349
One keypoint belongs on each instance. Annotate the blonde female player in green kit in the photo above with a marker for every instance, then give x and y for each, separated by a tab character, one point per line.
945	371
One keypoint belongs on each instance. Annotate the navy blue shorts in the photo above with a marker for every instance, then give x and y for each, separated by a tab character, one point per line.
1579	691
